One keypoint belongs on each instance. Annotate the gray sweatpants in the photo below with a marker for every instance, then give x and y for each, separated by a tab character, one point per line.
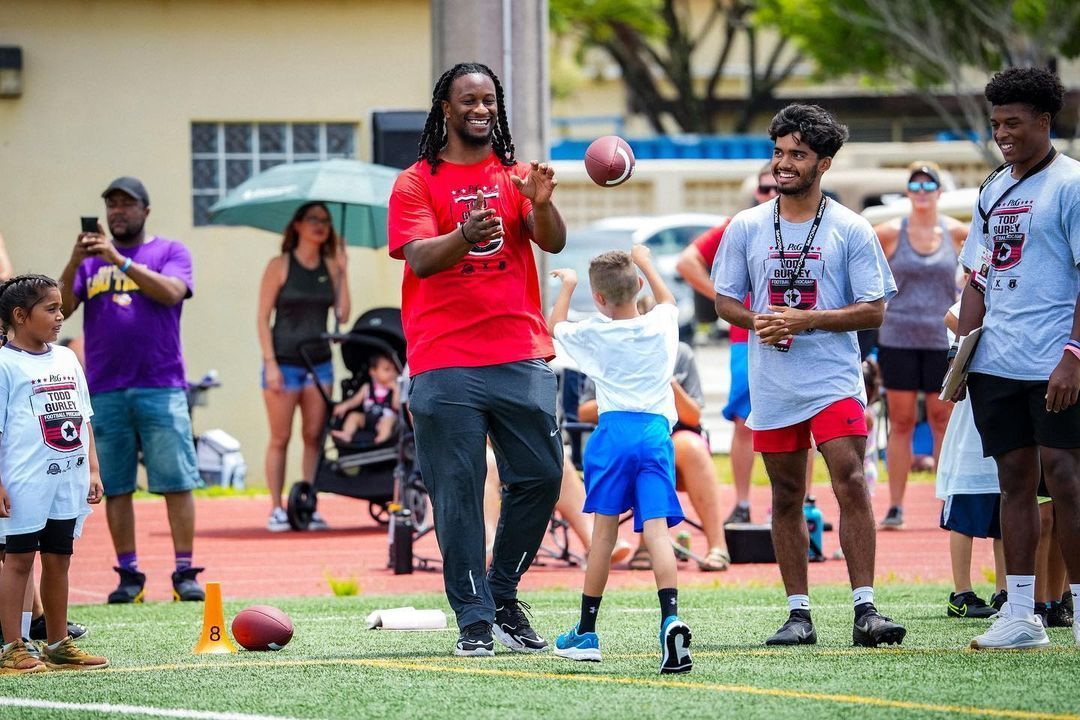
455	410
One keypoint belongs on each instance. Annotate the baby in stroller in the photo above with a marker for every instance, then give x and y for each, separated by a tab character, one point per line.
369	416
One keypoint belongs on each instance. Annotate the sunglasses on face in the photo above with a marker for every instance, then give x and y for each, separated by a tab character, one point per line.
312	220
926	186
766	189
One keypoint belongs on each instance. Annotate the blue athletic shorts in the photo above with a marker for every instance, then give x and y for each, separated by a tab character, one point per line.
738	405
158	418
973	515
297	377
630	464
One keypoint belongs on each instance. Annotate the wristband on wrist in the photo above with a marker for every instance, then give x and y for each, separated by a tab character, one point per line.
464	236
1074	343
1074	350
953	350
128	262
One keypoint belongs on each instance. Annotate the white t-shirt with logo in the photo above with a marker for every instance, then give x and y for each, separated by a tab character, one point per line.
845	265
1029	262
630	361
44	420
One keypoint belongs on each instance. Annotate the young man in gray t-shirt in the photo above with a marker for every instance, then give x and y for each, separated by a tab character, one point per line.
1024	253
816	274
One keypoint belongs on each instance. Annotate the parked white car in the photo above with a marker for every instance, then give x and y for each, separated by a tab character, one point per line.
665	235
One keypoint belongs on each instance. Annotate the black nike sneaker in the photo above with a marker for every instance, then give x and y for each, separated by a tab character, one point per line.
1058	615
968	605
38	631
998	599
512	627
872	629
475	641
798	630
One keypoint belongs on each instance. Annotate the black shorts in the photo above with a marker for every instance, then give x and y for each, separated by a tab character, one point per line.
1011	414
905	369
57	538
977	516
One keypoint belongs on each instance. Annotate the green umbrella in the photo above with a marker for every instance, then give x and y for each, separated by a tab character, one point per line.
356	193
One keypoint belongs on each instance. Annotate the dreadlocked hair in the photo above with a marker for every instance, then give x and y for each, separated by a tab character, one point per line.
433	138
22	291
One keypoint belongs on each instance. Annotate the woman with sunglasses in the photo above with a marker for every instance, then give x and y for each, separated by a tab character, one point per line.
299	288
923	251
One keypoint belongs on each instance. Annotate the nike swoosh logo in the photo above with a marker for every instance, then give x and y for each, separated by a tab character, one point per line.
1024	585
554	432
852	421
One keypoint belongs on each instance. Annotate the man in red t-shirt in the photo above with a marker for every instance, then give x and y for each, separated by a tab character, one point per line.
464	218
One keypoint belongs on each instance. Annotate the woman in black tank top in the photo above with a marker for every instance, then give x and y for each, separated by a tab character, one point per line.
299	289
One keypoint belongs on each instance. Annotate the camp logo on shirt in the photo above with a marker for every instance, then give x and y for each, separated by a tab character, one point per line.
801	294
56	405
463	200
1009	227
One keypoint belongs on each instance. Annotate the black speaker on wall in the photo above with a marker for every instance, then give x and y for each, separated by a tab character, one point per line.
395	136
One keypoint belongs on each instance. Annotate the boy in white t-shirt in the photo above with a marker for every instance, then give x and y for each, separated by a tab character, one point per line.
967	482
630	459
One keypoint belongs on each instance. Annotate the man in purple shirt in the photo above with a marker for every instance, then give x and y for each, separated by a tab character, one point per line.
133	287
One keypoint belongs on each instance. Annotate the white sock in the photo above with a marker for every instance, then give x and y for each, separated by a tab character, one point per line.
798	602
744	504
24	628
55	644
1021	595
1074	588
864	594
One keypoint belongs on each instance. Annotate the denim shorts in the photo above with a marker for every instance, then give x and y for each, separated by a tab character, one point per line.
156	417
297	377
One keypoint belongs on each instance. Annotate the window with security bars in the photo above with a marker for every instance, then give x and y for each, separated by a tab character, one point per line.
223	155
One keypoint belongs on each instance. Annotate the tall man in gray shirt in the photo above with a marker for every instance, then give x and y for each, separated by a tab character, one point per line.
1024	253
816	274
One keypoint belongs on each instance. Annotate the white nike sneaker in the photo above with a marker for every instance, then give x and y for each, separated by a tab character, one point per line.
1012	633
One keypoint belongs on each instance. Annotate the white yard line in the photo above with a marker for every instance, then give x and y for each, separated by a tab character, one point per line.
140	710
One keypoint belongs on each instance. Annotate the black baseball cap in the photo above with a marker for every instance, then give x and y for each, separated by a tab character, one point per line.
129	186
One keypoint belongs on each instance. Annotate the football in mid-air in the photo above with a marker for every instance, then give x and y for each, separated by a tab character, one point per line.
262	627
609	161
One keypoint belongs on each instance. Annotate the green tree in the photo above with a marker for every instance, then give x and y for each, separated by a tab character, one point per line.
929	46
657	43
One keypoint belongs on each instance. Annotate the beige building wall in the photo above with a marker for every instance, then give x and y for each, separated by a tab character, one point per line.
111	88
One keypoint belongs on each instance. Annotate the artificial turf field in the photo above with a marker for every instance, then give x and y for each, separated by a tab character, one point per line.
334	668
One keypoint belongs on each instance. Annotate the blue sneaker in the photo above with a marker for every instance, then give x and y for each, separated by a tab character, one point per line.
578	647
675	646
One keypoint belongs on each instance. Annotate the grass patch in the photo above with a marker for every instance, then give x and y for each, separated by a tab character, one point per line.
334	668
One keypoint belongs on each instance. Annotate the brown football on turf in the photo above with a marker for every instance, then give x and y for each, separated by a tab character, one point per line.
609	161
262	627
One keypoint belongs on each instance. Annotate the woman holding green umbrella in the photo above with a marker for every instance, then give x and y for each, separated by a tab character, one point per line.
299	288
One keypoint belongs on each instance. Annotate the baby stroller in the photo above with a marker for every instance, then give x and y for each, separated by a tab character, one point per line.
381	474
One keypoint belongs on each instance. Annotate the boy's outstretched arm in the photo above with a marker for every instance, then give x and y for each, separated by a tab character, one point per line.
562	303
643	259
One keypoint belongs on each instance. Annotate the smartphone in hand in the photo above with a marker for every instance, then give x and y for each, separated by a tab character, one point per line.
89	224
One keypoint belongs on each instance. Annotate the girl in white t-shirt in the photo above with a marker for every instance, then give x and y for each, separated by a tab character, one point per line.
48	470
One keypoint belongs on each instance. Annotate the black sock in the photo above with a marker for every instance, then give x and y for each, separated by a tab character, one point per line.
669	602
590	606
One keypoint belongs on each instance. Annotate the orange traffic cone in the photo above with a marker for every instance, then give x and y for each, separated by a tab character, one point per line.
214	638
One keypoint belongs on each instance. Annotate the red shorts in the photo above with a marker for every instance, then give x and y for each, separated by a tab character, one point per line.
844	418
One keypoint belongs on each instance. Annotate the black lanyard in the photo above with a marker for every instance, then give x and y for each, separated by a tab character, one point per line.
797	270
997	173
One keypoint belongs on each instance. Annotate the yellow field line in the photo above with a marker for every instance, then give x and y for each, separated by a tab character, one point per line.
440	666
